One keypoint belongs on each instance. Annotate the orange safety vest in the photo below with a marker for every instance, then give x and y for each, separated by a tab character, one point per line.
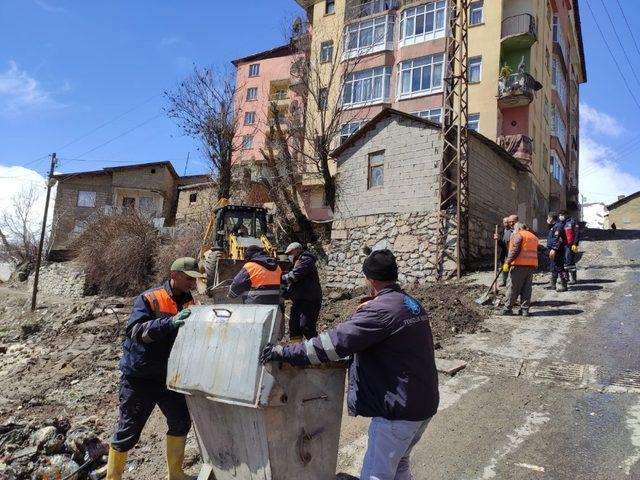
528	256
263	278
161	302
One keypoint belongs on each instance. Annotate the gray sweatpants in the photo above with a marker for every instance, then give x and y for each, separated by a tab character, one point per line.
521	285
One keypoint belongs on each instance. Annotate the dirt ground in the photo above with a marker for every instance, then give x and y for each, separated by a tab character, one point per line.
58	369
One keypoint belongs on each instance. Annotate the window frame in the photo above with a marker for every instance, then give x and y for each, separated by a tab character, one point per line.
387	22
252	68
435	60
349	128
249	98
473	8
323	99
479	65
475	121
247	142
252	115
329	7
371	167
429	114
350	82
326	52
87	193
409	17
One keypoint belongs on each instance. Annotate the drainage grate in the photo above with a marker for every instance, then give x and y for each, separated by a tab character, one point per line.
494	365
563	372
624	378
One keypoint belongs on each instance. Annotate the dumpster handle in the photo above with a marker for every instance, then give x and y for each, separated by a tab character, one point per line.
304	438
227	312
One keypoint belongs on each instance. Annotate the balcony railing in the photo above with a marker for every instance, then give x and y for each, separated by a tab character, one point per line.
517	89
516	25
520	146
365	8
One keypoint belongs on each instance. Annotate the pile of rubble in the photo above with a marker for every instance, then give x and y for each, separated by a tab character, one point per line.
51	449
60	279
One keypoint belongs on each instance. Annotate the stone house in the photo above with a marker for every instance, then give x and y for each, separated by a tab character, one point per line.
387	195
625	213
150	188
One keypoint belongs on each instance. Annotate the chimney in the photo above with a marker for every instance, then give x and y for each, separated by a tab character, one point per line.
620	197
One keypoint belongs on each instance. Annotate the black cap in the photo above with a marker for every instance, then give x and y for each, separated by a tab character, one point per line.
252	250
381	265
553	215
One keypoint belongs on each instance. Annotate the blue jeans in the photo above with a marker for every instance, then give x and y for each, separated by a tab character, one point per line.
388	448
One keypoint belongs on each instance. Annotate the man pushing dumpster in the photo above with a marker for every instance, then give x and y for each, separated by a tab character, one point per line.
152	329
392	372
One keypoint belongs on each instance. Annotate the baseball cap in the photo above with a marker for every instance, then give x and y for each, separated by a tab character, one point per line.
188	266
292	247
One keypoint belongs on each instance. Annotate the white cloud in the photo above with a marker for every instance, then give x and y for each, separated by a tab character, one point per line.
20	91
49	7
599	122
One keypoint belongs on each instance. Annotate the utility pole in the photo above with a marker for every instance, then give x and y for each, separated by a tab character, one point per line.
50	184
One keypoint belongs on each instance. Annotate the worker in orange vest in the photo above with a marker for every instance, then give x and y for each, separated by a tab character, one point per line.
521	263
258	281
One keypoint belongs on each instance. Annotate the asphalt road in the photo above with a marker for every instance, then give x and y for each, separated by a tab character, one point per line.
555	396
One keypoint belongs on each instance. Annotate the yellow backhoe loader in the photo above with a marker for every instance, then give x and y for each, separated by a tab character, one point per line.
231	229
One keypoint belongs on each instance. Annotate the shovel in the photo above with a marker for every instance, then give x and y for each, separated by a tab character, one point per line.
487	297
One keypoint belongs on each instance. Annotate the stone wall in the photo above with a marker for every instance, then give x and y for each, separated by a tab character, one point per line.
61	280
411	236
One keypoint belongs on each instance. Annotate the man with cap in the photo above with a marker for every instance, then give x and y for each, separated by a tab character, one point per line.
555	245
303	289
392	372
152	329
258	281
522	262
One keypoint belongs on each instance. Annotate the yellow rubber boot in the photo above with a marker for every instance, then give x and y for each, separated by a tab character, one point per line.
175	458
116	464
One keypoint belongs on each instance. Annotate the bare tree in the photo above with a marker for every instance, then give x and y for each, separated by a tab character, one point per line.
203	106
19	227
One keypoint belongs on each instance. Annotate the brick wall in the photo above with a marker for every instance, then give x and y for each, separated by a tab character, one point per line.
154	178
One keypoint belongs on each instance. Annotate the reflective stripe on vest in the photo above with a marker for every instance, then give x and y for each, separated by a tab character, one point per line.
162	303
528	256
262	278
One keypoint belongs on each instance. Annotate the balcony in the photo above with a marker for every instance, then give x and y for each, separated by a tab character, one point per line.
519	31
520	146
517	90
365	8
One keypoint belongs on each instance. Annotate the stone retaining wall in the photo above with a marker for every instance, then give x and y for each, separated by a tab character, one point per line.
60	279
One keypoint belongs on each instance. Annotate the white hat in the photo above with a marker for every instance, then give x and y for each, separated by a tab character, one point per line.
293	246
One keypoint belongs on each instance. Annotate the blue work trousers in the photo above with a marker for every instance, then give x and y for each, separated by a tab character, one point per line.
138	398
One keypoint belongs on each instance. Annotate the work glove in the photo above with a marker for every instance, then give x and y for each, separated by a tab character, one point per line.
552	254
574	248
271	353
505	268
178	320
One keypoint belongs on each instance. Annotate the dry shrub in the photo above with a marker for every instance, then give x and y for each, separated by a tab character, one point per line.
184	242
118	254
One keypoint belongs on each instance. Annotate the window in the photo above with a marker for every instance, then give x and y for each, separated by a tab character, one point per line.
435	114
376	169
545	158
79	227
193	198
473	122
128	203
546	109
280	94
558	128
369	36
558	81
249	118
254	70
423	23
252	94
557	169
323	99
326	51
421	76
350	128
330	7
475	69
145	204
476	13
247	142
86	199
367	86
558	36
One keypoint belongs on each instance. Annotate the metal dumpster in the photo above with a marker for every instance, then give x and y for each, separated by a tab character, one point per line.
273	422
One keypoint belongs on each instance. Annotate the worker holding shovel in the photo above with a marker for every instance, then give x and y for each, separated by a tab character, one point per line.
522	262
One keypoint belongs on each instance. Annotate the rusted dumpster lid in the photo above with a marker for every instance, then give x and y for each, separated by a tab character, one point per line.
216	353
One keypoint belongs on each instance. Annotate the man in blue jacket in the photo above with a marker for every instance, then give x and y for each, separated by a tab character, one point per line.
258	281
152	329
303	289
392	372
555	245
572	236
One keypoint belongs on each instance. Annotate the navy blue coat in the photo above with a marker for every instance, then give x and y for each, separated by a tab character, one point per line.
392	373
150	333
303	280
258	281
555	237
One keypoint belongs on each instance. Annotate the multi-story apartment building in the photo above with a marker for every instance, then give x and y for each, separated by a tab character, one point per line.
526	63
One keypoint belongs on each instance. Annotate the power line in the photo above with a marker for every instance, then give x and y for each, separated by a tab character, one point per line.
612	55
633	37
624	50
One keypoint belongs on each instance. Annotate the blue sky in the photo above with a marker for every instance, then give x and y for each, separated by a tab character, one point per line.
67	67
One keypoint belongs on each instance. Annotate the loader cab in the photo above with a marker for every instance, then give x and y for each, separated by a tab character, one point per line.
239	221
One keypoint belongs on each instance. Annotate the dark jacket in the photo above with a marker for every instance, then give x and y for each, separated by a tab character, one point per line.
503	243
303	280
392	373
555	237
258	281
150	333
